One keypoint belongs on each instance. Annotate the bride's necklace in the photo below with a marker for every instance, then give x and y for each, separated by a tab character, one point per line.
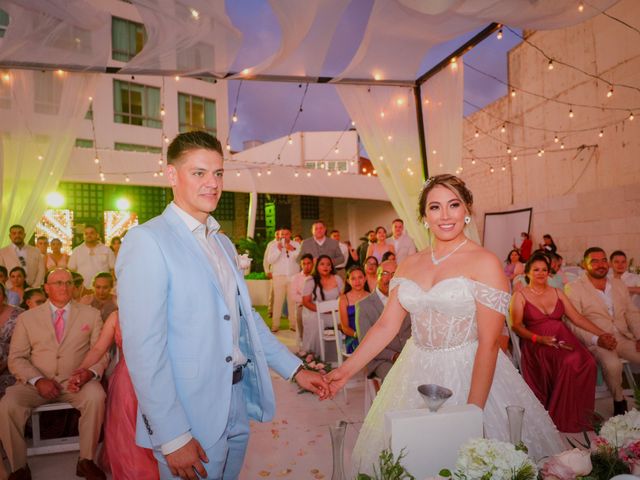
438	261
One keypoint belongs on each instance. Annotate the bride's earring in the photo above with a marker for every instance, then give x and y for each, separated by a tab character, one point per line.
467	219
426	225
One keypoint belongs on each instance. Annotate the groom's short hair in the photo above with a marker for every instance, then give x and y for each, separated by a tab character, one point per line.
191	141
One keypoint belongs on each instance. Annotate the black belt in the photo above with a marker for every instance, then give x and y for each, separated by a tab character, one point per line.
237	374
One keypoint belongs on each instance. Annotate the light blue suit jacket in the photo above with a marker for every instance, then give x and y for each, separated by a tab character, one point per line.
177	336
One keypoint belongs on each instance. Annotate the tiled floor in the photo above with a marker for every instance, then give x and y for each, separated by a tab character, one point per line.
296	445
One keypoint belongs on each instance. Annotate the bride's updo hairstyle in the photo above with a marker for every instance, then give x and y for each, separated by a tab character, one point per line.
453	183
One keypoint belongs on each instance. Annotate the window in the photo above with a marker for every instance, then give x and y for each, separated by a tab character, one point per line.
196	113
127	39
226	208
47	92
330	166
309	207
84	143
136	104
134	147
4	22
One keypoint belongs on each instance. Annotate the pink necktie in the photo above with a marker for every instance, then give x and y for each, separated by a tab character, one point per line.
59	324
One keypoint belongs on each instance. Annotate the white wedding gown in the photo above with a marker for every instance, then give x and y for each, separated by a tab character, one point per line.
442	351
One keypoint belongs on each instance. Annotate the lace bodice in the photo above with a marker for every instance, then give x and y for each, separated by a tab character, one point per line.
444	317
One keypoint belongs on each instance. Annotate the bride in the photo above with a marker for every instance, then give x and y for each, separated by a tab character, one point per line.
456	293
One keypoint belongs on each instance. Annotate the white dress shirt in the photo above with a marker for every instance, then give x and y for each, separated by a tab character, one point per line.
283	262
383	298
90	261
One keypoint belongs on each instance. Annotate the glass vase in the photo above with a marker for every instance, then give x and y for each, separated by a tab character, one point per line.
337	432
515	416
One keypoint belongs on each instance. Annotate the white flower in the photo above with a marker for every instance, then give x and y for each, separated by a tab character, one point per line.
479	457
243	261
622	430
568	465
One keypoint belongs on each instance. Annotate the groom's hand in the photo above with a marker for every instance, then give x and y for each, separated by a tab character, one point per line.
313	382
187	460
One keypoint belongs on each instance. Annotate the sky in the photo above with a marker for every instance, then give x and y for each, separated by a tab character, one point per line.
266	110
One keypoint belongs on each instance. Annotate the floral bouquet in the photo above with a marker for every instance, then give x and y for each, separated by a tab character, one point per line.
486	459
311	362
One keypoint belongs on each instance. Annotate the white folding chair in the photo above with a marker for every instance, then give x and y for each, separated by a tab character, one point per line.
331	335
53	445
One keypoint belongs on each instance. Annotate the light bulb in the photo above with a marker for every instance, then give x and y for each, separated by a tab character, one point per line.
503	128
238	173
353	123
336	150
499	35
562	146
513	92
195	14
234	119
290	141
631	116
433	152
473	161
160	162
96	160
295	174
570	113
127	179
503	168
508	149
389	137
177	77
308	174
556	139
162	112
381	158
491	170
228	147
580	7
259	173
601	134
328	174
268	171
381	114
161	173
515	158
155	174
166	139
550	64
610	92
477	134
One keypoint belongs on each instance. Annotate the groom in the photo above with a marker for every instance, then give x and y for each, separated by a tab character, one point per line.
197	352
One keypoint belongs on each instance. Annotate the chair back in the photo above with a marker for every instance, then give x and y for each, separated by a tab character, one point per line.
328	306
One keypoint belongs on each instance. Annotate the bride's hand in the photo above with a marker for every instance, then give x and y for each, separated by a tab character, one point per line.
336	379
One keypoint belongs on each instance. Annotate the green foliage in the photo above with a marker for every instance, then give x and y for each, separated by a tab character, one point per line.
525	472
256	276
388	468
606	464
256	250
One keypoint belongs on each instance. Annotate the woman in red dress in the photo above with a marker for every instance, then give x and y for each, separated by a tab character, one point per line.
120	455
556	366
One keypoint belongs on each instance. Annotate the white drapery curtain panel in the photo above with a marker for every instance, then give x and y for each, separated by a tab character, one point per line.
40	113
442	106
385	118
189	37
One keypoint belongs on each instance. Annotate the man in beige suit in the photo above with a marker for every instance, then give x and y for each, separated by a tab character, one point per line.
606	302
48	344
18	254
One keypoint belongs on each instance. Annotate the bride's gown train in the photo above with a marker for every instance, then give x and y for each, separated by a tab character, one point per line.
442	351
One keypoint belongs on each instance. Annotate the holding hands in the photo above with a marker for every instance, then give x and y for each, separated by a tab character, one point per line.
608	341
314	382
78	378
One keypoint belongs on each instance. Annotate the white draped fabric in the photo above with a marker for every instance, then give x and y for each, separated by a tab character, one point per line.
189	37
385	117
196	36
39	117
442	105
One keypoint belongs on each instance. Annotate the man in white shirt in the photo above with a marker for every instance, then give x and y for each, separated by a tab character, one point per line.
267	271
402	243
91	257
296	286
42	244
281	256
340	268
620	269
19	254
189	331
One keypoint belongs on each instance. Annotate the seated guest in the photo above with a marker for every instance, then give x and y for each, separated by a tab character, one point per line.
18	280
323	285
119	455
12	297
371	272
8	316
79	290
48	344
389	256
557	277
33	297
381	246
296	287
513	265
369	310
353	292
558	368
102	299
606	302
620	270
56	258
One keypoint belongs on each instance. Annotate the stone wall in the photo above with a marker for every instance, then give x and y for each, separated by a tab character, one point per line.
589	192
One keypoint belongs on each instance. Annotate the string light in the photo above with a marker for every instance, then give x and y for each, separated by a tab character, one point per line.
433	152
308	174
581	7
562	146
473	161
155	174
177	77
601	133
499	35
556	139
290	141
353	123
259	173
508	149
610	92
491	170
336	150
160	161
40	157
503	168
513	92
237	173
381	158
162	112
503	129
166	139
295	174
389	137
161	173
268	171
477	134
127	179
631	116
6	77
570	113
234	119
96	160
195	14
550	64
515	158
245	71
382	114
228	147
328	173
